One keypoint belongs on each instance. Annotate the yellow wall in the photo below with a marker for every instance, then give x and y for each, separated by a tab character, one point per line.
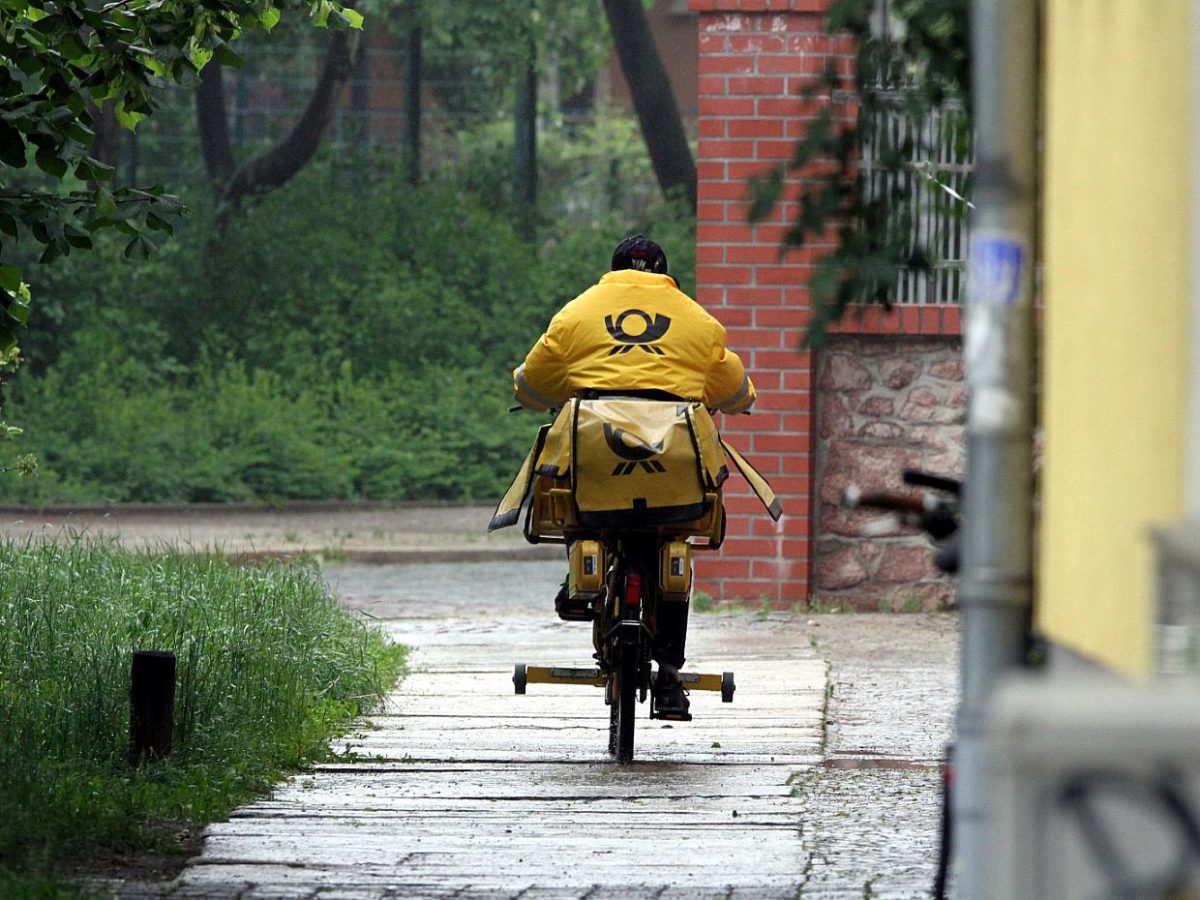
1116	219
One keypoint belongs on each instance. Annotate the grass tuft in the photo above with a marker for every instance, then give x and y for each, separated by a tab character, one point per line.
269	668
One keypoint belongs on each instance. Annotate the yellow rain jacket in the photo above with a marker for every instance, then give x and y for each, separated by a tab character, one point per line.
634	331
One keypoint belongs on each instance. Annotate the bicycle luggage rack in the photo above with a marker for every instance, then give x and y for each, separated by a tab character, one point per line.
524	675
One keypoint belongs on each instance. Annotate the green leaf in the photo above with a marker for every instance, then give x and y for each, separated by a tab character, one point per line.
79	133
354	18
137	248
269	18
105	205
51	163
19	308
29	65
77	237
226	56
93	170
158	223
200	57
128	119
320	10
10	277
70	46
53	251
764	194
12	146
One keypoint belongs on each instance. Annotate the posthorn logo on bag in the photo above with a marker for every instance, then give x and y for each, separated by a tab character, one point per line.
631	447
652	330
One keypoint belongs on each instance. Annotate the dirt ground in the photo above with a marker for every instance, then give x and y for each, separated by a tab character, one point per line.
354	532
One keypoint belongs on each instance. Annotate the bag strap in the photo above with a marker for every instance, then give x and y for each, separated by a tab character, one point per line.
508	510
758	484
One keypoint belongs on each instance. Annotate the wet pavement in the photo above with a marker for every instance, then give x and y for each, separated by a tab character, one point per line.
819	780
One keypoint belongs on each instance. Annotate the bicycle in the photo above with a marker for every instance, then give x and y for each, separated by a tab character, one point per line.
621	580
630	550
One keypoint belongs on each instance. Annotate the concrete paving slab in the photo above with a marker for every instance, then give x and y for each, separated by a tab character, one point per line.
463	784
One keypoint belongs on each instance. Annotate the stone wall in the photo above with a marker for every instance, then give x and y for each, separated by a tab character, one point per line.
884	404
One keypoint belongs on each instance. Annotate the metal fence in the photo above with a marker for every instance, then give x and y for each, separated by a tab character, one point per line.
585	161
268	94
933	217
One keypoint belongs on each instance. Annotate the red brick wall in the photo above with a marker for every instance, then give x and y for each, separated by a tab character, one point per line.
755	55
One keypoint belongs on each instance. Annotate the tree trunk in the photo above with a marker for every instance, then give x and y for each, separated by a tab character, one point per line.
412	105
106	145
215	146
650	87
278	165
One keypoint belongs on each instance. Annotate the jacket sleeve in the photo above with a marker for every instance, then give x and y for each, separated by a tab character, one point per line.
540	383
727	387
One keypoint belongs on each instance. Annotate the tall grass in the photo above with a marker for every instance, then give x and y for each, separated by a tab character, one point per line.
269	667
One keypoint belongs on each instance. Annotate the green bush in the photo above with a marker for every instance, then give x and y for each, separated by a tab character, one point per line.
131	435
326	343
268	668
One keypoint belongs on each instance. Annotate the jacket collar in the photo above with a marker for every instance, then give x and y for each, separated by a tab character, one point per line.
633	276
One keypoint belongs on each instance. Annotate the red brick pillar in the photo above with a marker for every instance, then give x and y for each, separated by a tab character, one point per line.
755	56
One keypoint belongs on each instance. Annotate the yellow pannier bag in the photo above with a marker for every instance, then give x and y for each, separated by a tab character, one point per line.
625	462
637	462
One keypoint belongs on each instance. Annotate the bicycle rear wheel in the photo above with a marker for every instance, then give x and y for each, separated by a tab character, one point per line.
624	708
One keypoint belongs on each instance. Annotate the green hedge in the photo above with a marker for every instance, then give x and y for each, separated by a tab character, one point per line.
328	343
122	434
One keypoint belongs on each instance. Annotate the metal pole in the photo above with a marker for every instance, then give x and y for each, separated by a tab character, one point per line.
995	589
151	705
412	104
360	102
525	136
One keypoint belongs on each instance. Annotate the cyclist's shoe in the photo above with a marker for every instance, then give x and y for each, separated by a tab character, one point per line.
670	696
571	610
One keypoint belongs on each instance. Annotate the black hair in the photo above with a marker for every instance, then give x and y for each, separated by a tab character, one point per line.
639	252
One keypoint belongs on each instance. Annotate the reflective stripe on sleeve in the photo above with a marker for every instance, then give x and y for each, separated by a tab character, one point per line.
734	403
524	387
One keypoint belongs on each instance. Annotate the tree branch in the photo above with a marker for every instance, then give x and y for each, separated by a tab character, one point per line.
278	165
653	101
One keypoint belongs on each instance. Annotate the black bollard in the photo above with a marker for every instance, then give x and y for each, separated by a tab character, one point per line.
151	706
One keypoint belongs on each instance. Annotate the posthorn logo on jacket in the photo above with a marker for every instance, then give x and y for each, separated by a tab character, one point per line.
653	329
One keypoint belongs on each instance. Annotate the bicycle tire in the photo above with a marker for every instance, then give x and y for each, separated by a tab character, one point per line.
614	709
625	670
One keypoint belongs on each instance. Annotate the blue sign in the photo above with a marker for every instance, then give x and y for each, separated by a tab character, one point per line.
997	266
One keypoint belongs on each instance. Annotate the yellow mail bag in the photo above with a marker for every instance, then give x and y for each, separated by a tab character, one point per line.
620	462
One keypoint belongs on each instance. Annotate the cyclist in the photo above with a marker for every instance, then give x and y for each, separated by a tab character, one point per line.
635	333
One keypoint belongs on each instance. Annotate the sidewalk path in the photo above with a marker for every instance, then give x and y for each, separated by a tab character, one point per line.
463	789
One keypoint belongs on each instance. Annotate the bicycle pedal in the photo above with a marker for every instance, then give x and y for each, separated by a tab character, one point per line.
671	716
